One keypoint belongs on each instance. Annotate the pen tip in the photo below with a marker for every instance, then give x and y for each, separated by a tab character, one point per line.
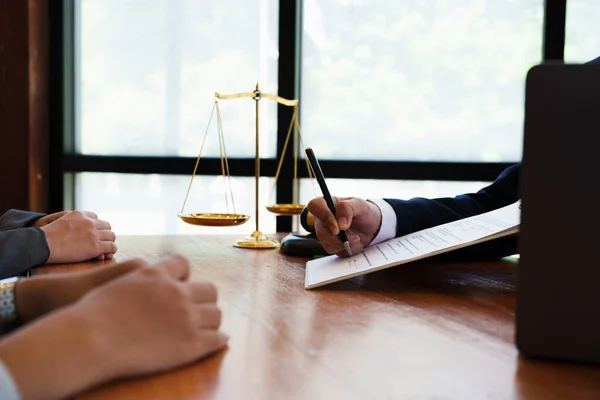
348	249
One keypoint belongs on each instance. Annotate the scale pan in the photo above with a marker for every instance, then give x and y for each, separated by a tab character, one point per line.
214	219
286	209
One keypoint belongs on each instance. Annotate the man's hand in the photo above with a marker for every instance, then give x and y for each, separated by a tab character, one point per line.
146	321
50	218
360	219
78	236
154	319
42	294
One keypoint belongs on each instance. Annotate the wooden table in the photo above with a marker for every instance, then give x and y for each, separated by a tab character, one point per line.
422	331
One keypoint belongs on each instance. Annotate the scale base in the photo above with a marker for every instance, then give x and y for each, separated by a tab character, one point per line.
257	241
302	245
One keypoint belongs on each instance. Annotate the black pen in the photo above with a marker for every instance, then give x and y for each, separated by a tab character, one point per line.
316	168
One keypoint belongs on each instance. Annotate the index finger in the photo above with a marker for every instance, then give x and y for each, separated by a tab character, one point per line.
318	208
55	216
90	214
102	225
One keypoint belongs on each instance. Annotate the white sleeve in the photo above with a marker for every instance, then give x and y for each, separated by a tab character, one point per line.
387	230
8	389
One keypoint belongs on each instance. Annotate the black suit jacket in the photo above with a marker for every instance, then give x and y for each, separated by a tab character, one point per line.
421	213
21	246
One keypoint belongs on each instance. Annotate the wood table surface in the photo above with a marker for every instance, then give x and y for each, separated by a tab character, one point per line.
418	331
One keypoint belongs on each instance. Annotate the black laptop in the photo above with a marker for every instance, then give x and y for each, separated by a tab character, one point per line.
558	290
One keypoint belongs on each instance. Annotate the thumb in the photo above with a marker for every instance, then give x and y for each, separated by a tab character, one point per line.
212	342
53	217
222	340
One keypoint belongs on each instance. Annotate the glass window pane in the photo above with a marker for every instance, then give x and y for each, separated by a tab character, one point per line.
582	42
423	80
138	204
147	72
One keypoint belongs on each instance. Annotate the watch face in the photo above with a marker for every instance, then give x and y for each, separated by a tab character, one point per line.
8	313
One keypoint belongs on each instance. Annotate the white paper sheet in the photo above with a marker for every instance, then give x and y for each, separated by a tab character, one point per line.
426	243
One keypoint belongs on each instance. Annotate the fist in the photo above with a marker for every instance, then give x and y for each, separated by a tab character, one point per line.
154	319
77	236
360	219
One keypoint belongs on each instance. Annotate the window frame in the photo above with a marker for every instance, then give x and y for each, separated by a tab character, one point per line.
65	162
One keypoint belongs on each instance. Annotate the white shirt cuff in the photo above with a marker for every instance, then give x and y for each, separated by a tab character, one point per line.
387	230
8	389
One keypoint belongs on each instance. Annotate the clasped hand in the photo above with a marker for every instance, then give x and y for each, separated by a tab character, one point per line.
75	236
117	321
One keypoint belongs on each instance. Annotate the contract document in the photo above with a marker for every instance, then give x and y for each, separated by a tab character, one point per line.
429	242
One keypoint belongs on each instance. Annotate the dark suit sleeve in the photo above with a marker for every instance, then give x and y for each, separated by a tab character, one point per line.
21	249
420	213
18	219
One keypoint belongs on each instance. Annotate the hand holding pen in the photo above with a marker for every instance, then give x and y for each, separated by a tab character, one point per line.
316	168
352	220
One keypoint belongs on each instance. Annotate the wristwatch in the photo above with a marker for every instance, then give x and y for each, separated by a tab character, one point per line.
8	311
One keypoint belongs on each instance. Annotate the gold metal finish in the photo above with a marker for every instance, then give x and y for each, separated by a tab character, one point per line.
214	219
291	208
256	161
286	209
280	100
257	240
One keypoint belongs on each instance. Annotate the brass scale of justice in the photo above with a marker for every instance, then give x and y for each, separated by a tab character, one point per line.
257	240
